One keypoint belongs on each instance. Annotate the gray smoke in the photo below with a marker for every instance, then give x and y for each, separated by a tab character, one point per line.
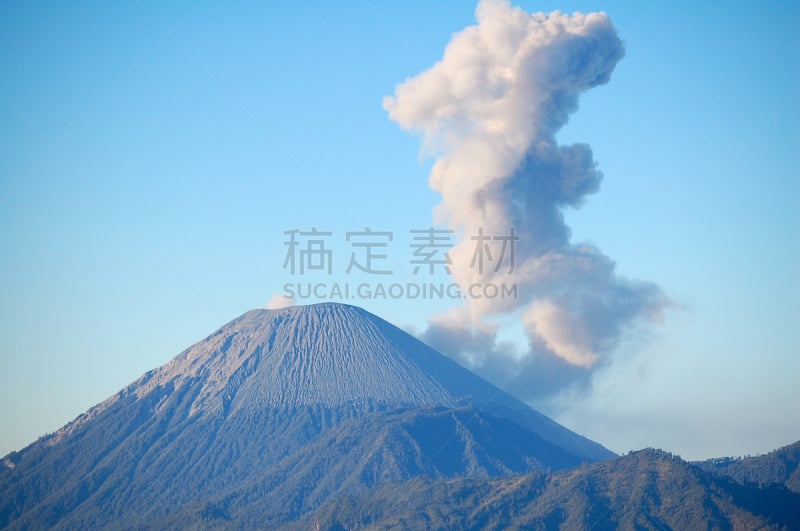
489	111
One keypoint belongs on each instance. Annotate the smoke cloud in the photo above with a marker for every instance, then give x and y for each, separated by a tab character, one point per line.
489	112
278	301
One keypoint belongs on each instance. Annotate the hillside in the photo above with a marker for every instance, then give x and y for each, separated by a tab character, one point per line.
781	466
649	489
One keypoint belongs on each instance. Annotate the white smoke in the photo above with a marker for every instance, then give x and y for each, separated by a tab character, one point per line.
489	111
278	301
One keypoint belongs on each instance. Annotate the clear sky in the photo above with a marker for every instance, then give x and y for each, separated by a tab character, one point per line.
153	156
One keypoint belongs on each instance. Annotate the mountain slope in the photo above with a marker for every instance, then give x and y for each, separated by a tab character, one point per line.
781	466
359	454
302	404
643	490
332	355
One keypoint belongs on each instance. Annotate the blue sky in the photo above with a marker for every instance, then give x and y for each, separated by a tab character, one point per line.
154	156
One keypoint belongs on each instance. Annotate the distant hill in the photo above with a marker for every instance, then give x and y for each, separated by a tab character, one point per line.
270	417
648	489
781	466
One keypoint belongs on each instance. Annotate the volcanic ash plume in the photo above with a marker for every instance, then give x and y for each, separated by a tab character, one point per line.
489	111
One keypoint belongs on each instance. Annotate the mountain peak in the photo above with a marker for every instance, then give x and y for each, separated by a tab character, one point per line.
292	407
323	354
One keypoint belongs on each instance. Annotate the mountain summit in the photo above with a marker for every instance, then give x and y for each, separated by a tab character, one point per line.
271	416
336	356
329	354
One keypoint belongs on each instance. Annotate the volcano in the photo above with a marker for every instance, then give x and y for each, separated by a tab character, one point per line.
270	417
